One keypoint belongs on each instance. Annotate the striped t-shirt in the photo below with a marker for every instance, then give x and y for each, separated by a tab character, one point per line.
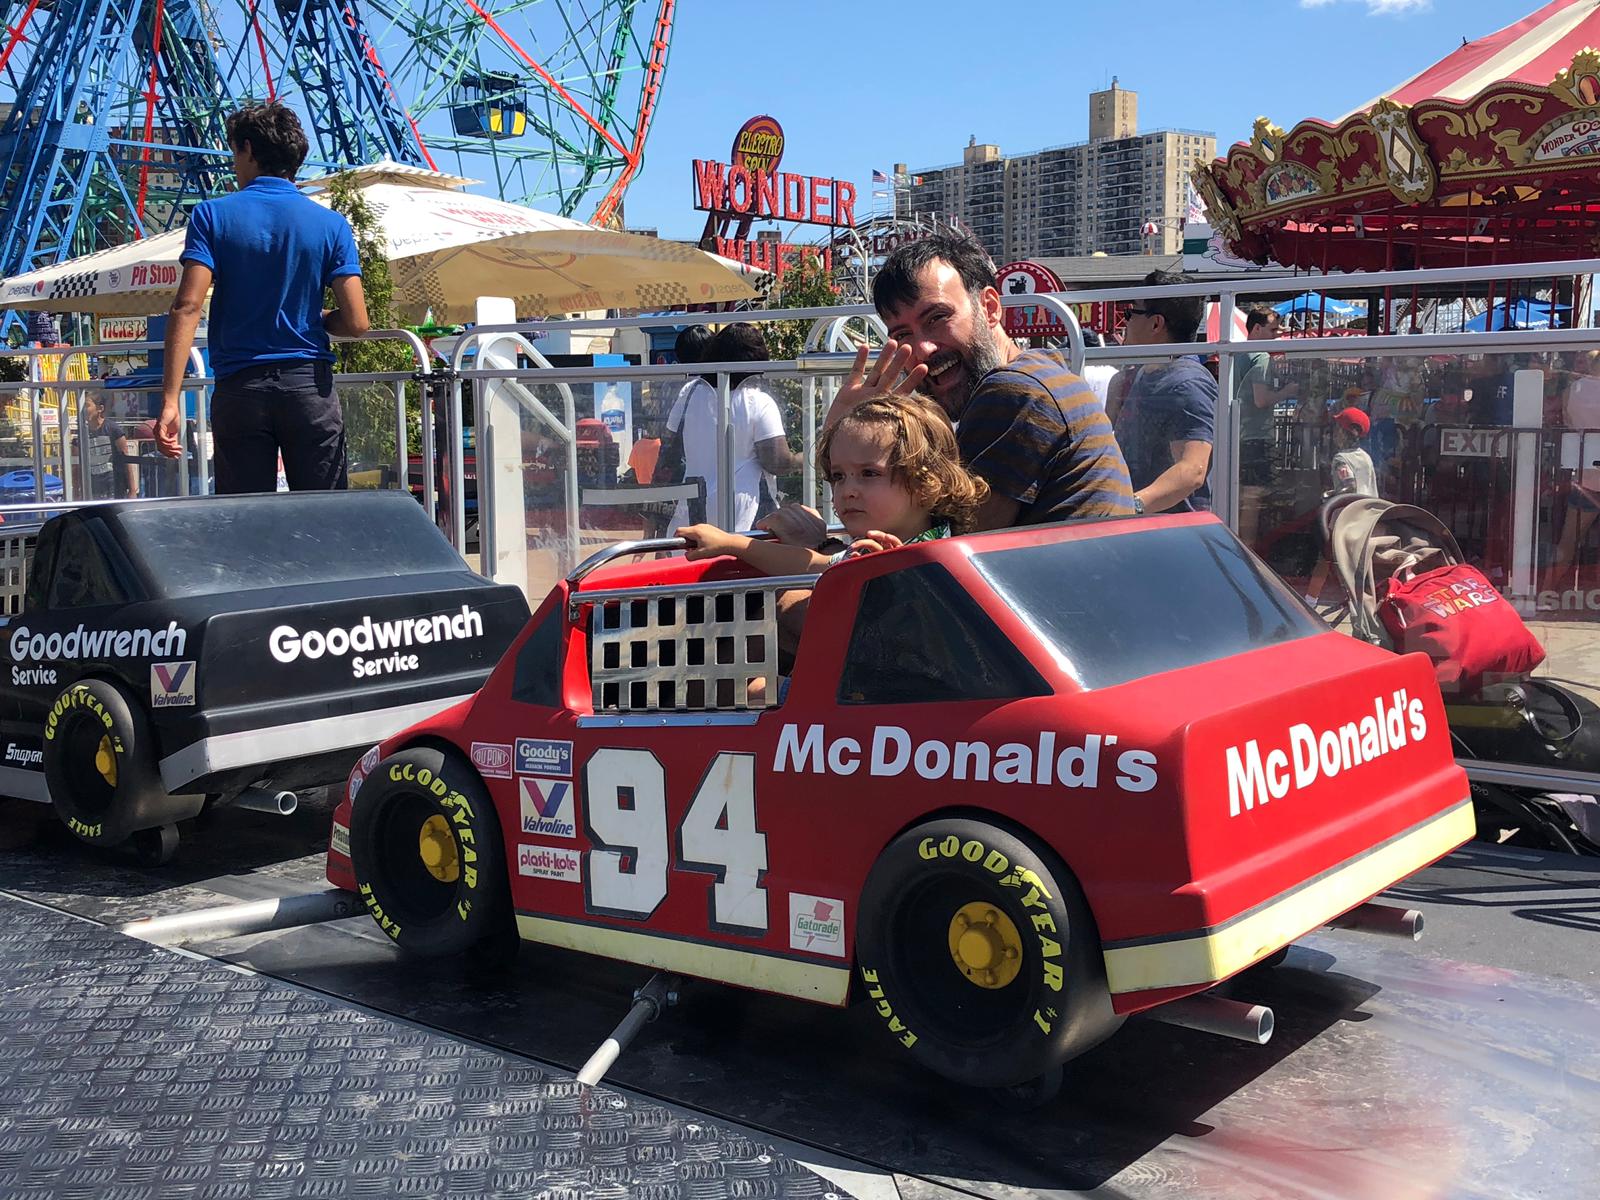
1038	435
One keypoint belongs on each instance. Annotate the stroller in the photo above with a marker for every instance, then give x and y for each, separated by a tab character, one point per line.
1511	720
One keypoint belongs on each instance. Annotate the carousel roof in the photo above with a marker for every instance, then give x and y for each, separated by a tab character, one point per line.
1532	50
1490	154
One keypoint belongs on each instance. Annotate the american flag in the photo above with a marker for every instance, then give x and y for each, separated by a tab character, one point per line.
879	177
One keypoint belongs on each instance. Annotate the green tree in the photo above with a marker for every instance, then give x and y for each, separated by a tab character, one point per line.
369	408
803	284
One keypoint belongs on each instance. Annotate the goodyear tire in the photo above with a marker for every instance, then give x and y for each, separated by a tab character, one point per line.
979	954
99	763
429	860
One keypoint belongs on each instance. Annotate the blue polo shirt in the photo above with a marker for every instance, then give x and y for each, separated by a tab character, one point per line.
273	252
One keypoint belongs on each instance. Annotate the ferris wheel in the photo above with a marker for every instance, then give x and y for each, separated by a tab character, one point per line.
112	111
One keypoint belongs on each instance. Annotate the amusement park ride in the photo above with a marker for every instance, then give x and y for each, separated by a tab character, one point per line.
112	111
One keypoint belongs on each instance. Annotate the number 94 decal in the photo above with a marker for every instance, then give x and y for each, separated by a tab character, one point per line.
625	814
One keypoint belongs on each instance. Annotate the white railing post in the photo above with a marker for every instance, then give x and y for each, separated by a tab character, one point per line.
1225	435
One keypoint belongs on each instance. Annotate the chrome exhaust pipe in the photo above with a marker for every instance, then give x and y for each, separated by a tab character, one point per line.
279	804
1219	1015
1383	919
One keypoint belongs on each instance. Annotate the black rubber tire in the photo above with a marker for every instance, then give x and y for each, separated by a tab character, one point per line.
423	914
1056	1007
98	812
154	847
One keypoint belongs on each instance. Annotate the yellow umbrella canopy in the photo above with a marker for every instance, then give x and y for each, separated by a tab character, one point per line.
446	247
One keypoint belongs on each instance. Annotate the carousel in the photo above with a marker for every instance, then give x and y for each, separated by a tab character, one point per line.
1491	155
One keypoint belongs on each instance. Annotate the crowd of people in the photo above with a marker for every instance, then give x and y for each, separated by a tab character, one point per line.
1044	444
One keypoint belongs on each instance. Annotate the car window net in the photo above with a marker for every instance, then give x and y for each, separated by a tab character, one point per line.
919	637
82	576
1129	605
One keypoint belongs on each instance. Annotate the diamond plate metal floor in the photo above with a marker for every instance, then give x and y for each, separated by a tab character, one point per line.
128	1071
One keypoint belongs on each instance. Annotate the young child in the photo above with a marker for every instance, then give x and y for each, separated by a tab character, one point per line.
1352	466
896	478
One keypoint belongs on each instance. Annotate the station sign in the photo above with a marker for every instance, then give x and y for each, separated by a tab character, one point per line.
1029	320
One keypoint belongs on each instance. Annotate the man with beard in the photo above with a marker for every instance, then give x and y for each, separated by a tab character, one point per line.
1033	430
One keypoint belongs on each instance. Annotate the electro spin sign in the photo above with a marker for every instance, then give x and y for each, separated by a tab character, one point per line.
749	187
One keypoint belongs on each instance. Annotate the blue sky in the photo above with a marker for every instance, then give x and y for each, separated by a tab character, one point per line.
865	84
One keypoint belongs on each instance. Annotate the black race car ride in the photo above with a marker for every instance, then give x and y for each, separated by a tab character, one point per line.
168	655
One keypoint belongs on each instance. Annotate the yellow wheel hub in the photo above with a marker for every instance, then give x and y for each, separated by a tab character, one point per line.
105	761
985	945
437	846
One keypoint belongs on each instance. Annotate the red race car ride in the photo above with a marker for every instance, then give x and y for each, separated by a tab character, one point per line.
1021	785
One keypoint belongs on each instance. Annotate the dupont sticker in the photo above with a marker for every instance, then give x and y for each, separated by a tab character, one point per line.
816	924
547	807
359	772
493	759
172	684
550	862
341	839
538	756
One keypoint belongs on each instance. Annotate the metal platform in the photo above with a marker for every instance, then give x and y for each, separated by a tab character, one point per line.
1465	1066
133	1071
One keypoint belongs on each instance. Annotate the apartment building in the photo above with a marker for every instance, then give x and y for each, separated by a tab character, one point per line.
1082	198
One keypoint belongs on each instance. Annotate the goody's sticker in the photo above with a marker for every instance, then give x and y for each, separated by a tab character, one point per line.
540	756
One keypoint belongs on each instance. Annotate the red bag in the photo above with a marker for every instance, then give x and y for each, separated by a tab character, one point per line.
1454	616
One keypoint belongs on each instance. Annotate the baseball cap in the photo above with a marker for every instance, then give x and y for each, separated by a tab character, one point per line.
1354	420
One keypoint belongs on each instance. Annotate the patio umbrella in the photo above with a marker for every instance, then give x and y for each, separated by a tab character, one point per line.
1519	314
446	247
1214	323
1312	303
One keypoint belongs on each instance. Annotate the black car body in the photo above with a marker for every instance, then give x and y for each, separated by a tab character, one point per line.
256	642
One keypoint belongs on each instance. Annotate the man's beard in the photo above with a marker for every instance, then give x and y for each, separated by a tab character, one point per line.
978	358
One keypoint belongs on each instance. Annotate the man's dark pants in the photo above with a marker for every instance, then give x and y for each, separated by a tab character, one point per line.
263	410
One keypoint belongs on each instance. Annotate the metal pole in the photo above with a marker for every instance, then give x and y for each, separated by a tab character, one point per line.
233	920
483	442
38	445
430	499
401	459
81	420
808	469
661	992
574	513
725	489
455	455
1225	438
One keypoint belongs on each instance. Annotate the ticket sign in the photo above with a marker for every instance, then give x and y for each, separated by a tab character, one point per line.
124	329
1029	320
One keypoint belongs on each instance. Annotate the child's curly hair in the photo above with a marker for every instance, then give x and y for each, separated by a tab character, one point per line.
923	456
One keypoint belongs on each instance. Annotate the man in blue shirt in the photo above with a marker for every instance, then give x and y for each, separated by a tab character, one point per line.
1167	418
267	254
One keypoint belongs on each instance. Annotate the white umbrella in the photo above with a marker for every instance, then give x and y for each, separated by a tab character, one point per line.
446	248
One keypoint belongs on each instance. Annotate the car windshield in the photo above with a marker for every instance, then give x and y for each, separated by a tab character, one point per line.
204	547
1126	606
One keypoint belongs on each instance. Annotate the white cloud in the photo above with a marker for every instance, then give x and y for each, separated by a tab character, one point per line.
1378	8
